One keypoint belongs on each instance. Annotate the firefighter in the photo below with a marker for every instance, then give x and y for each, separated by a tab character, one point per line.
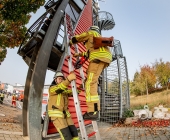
99	59
1	98
13	101
58	106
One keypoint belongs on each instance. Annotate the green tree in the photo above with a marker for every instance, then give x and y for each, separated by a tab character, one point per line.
143	80
3	53
11	35
135	85
162	72
113	86
17	10
147	77
14	15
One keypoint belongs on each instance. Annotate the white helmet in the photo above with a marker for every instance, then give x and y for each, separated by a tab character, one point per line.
95	28
58	74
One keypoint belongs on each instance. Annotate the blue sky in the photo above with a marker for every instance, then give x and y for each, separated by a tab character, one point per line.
142	27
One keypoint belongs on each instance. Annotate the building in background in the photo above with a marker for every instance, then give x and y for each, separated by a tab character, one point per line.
7	88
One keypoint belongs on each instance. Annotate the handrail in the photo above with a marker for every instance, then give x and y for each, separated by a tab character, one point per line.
33	29
106	14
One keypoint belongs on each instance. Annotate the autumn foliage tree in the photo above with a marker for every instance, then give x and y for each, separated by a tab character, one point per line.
162	72
143	80
148	78
135	85
14	15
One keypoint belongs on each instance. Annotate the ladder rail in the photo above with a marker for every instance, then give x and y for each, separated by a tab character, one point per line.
77	51
96	129
74	90
94	123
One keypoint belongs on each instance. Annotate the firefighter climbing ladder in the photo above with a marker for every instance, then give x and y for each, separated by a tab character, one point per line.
68	28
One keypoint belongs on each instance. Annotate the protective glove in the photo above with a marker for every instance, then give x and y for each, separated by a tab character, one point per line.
76	54
71	76
81	86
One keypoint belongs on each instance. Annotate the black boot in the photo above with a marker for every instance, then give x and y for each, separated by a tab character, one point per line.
91	116
73	130
66	133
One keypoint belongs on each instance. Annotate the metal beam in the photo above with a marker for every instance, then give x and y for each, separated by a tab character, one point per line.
38	76
26	92
120	86
103	94
128	90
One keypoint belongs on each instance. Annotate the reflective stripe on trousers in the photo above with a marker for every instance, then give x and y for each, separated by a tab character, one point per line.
89	97
58	113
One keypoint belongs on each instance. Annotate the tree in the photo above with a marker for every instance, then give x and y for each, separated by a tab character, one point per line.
113	86
143	80
17	10
14	15
162	72
135	85
3	53
11	35
147	77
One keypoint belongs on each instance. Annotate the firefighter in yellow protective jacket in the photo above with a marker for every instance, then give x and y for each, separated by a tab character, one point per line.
99	59
58	106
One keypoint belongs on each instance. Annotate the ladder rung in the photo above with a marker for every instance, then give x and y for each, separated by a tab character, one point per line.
61	29
69	31
80	89
61	35
91	134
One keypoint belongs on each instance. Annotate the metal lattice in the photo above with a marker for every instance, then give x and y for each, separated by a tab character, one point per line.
115	87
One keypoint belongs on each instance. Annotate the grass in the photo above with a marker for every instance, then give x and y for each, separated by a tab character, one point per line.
153	100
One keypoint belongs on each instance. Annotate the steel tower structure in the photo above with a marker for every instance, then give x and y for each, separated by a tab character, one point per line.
44	48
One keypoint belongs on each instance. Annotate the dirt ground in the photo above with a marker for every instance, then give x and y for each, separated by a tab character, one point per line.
10	118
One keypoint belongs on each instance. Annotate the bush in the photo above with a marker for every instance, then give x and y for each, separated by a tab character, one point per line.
138	107
128	113
153	90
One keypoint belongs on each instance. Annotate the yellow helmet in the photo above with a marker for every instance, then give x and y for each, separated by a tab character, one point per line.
95	28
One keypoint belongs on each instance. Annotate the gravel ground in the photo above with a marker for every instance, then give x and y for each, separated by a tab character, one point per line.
10	118
11	129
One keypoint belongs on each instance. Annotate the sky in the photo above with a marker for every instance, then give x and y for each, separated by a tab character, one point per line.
142	27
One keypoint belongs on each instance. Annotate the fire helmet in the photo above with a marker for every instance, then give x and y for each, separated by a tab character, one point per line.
95	28
58	74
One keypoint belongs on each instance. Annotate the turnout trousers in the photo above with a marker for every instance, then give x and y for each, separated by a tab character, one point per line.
14	103
91	85
66	128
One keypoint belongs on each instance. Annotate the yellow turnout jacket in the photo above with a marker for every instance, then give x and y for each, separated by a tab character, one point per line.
102	53
58	100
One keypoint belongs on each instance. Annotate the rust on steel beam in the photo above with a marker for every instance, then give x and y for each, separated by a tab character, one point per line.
38	75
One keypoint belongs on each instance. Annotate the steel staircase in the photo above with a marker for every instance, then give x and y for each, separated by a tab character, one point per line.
104	20
36	34
116	97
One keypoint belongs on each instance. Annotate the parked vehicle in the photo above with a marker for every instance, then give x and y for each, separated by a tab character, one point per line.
21	97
